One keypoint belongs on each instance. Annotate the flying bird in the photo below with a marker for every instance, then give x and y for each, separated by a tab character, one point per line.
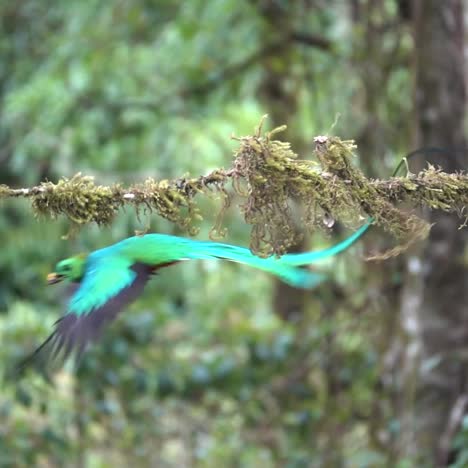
108	279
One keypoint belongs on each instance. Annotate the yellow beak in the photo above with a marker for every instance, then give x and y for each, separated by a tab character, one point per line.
53	278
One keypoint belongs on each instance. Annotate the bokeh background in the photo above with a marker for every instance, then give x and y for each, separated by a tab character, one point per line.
218	365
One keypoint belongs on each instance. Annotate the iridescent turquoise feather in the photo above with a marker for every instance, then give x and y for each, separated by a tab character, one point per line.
110	278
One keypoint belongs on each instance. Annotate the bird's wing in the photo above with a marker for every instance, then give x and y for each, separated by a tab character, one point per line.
107	287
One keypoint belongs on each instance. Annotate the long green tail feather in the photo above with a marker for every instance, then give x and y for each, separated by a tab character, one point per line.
310	257
285	266
157	249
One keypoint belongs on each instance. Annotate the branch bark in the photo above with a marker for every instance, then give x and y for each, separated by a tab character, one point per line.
431	188
265	175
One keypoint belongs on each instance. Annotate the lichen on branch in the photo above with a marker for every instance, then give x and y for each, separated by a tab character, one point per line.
269	180
274	177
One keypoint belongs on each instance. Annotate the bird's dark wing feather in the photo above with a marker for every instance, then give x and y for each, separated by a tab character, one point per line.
73	332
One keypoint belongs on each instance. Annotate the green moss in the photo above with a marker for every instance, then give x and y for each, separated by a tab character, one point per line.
4	191
275	179
271	182
172	201
79	199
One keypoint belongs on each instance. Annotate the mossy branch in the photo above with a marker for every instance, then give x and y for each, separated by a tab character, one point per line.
266	175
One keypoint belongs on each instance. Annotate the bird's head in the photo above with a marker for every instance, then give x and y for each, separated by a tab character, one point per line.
70	269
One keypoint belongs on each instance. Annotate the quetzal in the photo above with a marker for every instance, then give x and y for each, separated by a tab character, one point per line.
106	280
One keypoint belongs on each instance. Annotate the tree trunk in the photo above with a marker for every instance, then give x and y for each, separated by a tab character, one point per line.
280	93
376	63
434	310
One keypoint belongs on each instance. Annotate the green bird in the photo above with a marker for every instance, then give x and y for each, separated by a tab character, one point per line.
108	279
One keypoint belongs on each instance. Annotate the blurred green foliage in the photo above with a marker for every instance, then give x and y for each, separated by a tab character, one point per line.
200	372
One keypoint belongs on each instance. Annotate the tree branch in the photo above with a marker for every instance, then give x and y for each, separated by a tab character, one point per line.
266	175
313	40
230	71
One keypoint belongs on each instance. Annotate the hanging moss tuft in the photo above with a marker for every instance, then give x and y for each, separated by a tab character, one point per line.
271	182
